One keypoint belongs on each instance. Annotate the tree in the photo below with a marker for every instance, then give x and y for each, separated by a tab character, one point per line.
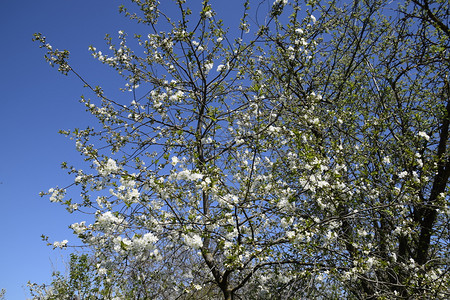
82	282
305	155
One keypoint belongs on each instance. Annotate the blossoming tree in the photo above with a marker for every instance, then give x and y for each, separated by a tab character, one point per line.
304	154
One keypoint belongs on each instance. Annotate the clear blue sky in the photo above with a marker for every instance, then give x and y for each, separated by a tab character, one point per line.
37	101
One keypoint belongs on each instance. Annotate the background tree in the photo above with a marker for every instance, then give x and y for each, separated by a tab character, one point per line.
81	282
373	155
304	155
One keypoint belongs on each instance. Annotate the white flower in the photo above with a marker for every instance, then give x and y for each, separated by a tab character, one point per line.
60	245
207	140
322	183
273	129
145	242
57	194
412	263
102	271
313	19
108	218
121	244
194	241
111	164
403	174
281	2
369	262
208	67
424	135
188	175
220	68
175	160
79	228
394	256
177	96
108	168
134	194
208	14
290	234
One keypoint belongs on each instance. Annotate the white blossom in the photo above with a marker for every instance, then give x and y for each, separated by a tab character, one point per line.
193	241
208	67
61	244
108	218
424	135
403	174
208	14
188	175
280	2
79	228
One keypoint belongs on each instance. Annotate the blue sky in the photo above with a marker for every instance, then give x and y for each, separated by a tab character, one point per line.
37	101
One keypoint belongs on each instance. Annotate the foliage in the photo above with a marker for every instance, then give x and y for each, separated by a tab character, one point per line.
303	155
82	282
